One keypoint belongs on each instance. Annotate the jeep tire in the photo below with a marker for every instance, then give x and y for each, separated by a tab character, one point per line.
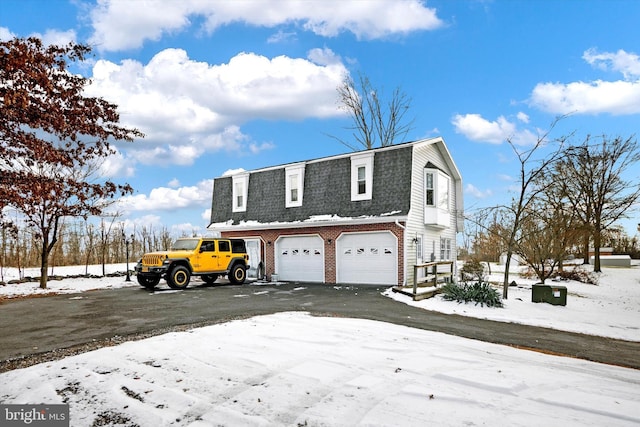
178	277
148	282
209	279
237	274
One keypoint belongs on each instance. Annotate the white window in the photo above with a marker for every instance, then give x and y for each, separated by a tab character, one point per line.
429	200
443	192
436	189
240	184
362	180
436	197
445	249
362	176
294	184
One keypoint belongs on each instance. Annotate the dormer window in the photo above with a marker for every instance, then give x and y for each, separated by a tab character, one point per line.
240	184
362	180
362	176
294	185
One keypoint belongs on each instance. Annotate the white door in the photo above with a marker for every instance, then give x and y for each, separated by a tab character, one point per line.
300	258
253	250
370	258
420	256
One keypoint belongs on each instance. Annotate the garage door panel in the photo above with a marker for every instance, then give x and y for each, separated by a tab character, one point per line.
367	258
300	258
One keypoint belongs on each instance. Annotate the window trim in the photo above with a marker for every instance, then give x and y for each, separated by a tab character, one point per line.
438	179
363	160
429	201
295	172
239	189
446	249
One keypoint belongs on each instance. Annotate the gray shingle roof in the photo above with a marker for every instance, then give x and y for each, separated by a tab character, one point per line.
327	191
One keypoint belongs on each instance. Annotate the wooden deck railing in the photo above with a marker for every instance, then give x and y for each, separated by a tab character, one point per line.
434	273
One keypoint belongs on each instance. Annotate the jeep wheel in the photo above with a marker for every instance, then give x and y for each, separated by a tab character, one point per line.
237	274
209	279
148	282
178	277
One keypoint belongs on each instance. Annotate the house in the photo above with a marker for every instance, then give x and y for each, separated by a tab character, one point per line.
362	217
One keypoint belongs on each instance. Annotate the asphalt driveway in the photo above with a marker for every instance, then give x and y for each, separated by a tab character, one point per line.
34	329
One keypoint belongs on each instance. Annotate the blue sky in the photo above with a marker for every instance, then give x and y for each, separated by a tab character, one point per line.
220	85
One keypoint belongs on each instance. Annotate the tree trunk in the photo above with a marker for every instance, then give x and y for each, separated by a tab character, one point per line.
585	248
505	285
597	238
44	262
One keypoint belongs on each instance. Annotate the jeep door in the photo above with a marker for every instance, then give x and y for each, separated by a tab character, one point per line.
224	254
206	258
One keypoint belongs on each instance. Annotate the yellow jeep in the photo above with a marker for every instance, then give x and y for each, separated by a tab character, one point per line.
208	258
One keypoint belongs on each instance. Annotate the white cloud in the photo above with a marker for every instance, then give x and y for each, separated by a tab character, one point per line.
477	128
626	63
618	97
187	108
186	229
524	118
122	24
116	165
174	183
282	36
6	34
258	148
169	199
56	37
476	192
323	56
230	172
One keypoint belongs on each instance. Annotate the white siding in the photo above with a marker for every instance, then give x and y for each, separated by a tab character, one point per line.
422	154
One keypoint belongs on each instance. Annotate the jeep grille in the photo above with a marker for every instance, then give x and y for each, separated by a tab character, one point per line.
153	259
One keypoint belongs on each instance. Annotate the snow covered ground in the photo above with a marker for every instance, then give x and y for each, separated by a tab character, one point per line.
293	369
609	309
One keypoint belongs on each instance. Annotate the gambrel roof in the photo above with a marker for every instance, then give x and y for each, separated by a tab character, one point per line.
326	190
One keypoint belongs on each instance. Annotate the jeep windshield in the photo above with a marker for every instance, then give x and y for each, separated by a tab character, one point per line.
185	244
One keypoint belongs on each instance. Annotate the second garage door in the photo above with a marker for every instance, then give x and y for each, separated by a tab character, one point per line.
370	258
300	258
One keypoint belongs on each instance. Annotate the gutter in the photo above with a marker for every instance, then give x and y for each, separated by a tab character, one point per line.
256	226
404	255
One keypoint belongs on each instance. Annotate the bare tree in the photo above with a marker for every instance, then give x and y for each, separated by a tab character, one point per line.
547	234
376	122
530	171
596	189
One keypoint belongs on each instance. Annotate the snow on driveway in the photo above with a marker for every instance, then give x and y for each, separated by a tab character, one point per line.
293	369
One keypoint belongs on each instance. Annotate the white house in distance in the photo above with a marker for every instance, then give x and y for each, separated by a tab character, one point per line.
364	217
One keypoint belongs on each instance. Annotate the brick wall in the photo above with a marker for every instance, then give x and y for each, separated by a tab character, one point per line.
328	234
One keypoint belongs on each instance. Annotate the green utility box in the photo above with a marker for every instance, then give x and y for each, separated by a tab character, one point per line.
554	295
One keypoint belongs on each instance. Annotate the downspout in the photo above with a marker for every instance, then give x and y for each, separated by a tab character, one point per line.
404	254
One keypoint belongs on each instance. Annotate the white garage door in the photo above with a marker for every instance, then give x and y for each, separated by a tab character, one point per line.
367	258
300	258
